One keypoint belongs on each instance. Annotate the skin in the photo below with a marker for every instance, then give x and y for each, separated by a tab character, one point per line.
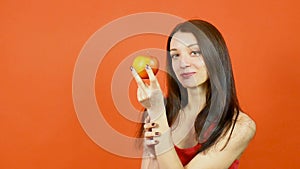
187	59
188	65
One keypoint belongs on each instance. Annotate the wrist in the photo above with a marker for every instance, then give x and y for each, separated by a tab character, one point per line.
162	122
156	113
165	142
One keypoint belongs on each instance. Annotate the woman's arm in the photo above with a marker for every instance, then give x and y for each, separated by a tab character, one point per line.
165	152
151	98
214	158
243	132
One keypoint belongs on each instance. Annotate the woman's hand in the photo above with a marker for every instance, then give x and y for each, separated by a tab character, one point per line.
150	96
149	156
149	141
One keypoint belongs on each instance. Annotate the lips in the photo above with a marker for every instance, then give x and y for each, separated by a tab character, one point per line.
187	74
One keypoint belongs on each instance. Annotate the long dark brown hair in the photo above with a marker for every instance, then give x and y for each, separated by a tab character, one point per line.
221	90
221	82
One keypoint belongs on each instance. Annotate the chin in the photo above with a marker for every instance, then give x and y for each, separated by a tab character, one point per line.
189	85
192	84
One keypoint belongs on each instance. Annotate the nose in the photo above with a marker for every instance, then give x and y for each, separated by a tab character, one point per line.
185	61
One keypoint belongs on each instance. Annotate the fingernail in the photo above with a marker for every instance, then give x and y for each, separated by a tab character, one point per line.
147	67
157	133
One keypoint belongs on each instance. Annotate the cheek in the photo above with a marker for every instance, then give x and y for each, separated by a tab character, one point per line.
200	65
202	72
176	70
205	69
175	67
199	62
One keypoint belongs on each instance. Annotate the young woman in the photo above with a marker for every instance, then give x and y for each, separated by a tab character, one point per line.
200	123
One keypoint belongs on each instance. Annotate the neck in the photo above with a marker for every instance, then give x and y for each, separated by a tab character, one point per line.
184	125
196	99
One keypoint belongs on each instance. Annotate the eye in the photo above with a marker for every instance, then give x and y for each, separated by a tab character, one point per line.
174	55
196	53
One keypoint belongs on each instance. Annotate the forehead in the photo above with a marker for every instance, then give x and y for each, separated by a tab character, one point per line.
182	38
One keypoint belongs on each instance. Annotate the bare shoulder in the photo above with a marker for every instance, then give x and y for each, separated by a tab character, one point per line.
245	127
243	132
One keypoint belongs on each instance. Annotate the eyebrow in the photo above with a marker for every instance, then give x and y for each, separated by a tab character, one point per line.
174	49
192	45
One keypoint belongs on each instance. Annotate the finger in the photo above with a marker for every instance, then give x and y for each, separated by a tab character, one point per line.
150	134
143	98
149	142
141	94
145	103
137	78
153	80
147	119
149	126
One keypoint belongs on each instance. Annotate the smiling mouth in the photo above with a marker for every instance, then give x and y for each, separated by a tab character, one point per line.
187	75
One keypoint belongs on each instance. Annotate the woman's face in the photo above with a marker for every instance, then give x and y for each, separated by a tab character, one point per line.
187	60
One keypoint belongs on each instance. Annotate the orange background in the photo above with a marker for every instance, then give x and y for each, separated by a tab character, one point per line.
41	40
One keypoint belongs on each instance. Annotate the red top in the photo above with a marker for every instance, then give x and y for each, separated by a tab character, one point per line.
187	154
